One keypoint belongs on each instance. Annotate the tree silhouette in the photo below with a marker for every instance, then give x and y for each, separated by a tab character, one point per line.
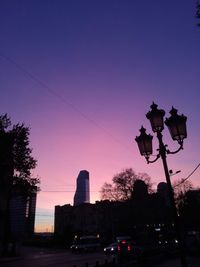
189	208
16	163
181	187
15	150
123	185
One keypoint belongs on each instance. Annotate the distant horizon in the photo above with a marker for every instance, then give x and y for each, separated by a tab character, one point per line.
40	228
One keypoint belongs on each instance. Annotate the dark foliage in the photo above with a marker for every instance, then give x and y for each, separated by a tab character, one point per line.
123	185
18	154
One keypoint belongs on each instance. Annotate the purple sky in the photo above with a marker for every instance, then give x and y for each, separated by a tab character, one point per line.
83	74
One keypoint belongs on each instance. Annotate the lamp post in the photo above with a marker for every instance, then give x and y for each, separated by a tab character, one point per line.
177	128
171	173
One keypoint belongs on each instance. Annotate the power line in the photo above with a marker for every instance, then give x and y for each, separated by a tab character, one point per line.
184	179
58	96
62	191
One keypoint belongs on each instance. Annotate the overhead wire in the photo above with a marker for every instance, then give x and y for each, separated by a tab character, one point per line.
58	96
61	191
185	179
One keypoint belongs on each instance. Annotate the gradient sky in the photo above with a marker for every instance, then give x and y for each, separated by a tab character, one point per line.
83	74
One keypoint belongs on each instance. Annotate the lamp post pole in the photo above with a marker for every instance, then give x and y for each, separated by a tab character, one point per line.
177	127
177	225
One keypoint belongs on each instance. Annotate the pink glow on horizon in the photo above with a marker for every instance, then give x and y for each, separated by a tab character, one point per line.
84	79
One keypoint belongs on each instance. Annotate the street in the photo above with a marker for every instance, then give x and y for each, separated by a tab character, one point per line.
38	257
43	257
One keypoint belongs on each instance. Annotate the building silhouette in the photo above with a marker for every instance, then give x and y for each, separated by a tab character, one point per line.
139	217
82	194
17	218
22	211
105	218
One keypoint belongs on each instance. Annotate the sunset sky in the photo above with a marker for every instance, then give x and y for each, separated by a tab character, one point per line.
82	74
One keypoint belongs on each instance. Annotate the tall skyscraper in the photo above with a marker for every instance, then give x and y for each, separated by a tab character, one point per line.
82	194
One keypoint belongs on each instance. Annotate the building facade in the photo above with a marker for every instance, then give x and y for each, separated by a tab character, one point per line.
22	212
103	218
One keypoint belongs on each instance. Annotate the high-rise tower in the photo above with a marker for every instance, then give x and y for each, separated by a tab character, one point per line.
82	194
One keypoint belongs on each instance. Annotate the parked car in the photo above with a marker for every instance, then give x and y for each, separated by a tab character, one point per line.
85	244
111	249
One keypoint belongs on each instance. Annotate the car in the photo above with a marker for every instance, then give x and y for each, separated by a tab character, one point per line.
127	250
111	249
85	244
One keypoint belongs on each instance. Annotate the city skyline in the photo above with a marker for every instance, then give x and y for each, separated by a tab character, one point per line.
83	74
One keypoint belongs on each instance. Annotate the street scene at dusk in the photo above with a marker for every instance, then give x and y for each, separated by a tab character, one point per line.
99	133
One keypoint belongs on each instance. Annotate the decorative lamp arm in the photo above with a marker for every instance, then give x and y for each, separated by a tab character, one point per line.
176	151
152	161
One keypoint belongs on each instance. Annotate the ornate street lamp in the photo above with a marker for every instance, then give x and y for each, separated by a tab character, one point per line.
144	142
177	128
156	118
